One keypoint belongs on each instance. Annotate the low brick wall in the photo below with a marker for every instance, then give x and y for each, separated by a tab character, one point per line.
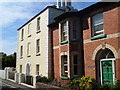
64	82
42	85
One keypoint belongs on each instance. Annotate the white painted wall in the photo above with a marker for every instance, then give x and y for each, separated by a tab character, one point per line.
46	18
2	74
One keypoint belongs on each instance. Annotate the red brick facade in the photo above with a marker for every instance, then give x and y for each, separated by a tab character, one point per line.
86	48
111	24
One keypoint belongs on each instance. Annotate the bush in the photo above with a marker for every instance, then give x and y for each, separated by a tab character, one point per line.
84	83
117	84
111	87
45	80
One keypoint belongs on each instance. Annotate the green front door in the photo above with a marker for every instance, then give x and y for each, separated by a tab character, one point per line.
107	72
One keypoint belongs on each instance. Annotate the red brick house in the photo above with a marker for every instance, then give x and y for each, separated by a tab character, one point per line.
86	43
67	45
101	37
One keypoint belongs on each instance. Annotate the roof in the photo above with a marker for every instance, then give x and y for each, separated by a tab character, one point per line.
66	15
97	5
83	11
39	14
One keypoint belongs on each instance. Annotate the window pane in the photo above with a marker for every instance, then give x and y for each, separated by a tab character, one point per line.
20	68
63	32
75	70
64	65
98	22
38	46
75	62
75	59
97	19
37	69
21	51
38	24
22	34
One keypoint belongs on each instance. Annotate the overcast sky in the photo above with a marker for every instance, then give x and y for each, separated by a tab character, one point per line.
15	14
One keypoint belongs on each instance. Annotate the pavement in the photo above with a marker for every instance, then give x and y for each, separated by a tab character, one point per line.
9	85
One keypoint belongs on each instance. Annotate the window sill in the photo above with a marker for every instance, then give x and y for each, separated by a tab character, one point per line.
63	42
64	78
38	54
98	37
29	36
28	55
38	31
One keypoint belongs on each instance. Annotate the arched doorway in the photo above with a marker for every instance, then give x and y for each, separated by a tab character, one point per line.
105	66
27	69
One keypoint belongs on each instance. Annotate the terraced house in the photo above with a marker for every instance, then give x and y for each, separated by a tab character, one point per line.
87	43
63	43
34	42
34	49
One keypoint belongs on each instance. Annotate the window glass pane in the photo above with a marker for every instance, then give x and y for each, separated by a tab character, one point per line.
64	65
75	59
29	27
63	32
20	68
98	22
28	49
75	70
75	62
21	51
37	69
22	34
38	46
97	19
38	24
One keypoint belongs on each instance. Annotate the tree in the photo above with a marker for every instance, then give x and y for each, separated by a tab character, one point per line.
7	61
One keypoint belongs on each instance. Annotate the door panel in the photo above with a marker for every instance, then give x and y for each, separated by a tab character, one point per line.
107	72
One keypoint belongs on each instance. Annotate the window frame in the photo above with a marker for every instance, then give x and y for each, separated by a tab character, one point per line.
20	68
64	64
21	51
22	34
28	49
74	30
38	46
97	32
29	29
38	24
37	69
77	64
64	32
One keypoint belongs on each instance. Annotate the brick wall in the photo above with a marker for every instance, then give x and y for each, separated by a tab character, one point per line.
110	27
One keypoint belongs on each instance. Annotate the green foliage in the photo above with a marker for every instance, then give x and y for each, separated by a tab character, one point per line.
45	80
117	84
7	61
111	87
84	83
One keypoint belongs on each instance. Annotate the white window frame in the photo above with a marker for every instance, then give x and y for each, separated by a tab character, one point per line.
29	29
99	32
63	64
22	34
21	51
38	24
20	68
64	31
37	69
38	46
28	49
